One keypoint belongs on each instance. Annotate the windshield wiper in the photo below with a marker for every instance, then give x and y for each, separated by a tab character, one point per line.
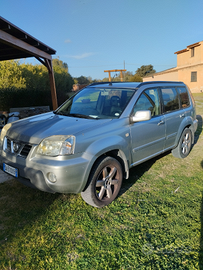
79	115
61	113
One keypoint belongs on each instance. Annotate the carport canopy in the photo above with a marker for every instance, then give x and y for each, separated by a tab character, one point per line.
16	43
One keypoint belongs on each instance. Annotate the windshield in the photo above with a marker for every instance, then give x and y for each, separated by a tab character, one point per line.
97	103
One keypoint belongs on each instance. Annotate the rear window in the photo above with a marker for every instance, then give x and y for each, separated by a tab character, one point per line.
184	97
170	99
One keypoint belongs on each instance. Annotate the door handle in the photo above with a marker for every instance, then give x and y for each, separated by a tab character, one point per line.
182	115
161	123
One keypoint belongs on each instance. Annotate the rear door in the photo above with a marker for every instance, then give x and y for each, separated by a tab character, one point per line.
173	114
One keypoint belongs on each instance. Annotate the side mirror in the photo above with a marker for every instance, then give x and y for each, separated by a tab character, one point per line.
140	116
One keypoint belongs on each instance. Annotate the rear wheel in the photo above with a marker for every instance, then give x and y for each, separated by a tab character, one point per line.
104	182
185	144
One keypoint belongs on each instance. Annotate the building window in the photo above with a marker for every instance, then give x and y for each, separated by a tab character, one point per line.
193	76
192	52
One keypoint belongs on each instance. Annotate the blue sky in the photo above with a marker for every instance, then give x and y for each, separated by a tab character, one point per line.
96	35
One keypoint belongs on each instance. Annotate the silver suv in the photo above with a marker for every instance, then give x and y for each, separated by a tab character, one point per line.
92	140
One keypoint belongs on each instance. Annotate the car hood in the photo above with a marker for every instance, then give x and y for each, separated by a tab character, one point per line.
35	129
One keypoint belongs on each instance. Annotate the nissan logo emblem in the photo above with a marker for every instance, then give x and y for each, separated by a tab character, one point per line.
16	147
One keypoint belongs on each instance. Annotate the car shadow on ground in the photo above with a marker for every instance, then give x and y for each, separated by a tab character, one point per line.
201	235
197	134
199	128
137	172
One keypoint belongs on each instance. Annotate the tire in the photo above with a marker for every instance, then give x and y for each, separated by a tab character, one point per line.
184	146
104	182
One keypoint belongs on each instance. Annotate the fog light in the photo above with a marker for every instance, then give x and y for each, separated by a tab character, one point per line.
52	177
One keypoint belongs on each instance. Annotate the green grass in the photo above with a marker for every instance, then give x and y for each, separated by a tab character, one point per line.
199	102
155	223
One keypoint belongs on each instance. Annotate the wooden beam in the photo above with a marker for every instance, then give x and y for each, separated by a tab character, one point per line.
48	64
109	76
22	46
52	83
115	70
42	61
11	56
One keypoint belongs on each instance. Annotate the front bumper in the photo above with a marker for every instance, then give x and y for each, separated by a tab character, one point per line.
71	173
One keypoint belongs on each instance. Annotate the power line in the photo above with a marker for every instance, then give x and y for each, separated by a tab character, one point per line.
94	66
125	64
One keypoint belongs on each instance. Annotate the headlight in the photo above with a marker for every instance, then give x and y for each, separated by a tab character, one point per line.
4	131
58	145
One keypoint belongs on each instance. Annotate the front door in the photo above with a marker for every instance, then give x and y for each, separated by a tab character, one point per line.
148	137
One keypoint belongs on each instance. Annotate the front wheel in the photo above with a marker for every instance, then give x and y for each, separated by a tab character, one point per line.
184	146
104	182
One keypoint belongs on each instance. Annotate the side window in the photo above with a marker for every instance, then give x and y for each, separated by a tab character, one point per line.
194	76
170	99
149	100
184	98
192	52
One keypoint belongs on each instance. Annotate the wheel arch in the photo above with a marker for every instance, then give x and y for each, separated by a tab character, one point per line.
119	156
188	123
184	146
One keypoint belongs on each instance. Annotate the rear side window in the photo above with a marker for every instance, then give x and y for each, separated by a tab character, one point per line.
184	97
170	99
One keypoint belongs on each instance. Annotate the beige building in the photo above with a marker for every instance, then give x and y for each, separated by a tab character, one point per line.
189	68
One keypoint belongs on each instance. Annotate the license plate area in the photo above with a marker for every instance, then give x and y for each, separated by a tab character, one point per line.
10	170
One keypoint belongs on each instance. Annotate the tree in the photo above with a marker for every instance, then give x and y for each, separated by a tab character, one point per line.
83	80
35	77
11	75
127	76
145	70
32	84
106	79
136	78
56	62
64	81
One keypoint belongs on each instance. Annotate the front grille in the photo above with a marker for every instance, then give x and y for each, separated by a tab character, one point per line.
26	150
17	148
9	145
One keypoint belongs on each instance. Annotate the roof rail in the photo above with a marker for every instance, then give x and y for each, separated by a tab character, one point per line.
140	83
110	83
149	82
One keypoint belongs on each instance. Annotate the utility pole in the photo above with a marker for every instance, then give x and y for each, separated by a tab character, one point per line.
124	72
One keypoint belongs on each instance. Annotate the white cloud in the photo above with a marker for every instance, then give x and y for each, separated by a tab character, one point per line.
68	41
81	56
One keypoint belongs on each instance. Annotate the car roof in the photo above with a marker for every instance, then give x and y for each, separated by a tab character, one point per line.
132	85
